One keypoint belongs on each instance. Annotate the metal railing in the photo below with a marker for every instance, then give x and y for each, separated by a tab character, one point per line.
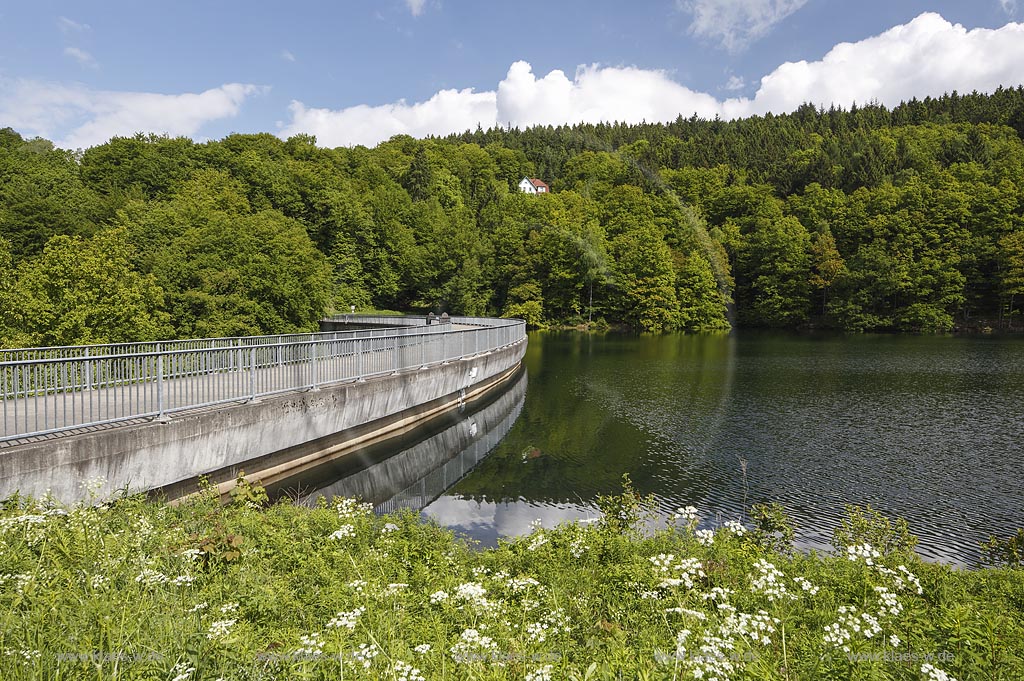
51	390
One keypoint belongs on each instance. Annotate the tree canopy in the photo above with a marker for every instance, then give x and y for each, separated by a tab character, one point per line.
865	219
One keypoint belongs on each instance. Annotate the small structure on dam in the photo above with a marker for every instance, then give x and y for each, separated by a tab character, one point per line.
150	415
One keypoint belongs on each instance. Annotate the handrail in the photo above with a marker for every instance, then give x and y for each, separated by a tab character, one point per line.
385	323
44	395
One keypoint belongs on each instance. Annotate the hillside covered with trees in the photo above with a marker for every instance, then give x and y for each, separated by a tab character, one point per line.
869	219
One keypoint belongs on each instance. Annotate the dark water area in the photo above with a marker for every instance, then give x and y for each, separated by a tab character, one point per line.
927	428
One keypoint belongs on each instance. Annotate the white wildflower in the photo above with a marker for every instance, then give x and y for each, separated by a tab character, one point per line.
688	514
768	581
735	527
406	672
806	585
365	653
343	531
705	537
472	646
539	674
150	577
220	629
350	509
438	597
184	671
422	648
890	603
862	551
346	619
389	528
935	674
312	646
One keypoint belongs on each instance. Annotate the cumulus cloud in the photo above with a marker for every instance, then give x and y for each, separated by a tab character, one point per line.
416	6
595	94
734	24
81	56
927	56
446	112
71	26
77	117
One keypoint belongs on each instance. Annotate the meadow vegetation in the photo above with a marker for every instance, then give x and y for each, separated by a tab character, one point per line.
131	588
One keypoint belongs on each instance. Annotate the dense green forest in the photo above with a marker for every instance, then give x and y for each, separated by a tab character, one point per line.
867	219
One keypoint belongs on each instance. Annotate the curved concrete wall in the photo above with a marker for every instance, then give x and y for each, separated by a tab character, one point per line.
302	425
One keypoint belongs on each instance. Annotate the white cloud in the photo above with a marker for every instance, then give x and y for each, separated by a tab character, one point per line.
927	56
446	112
74	116
71	26
735	83
595	94
734	24
416	6
287	56
81	56
1009	6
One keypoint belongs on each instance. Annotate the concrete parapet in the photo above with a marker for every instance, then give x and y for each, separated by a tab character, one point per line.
151	455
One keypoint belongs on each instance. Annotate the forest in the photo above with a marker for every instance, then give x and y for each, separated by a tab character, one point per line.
867	219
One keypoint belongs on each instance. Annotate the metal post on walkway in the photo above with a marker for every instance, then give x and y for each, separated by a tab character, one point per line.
312	367
396	355
252	373
160	387
88	370
359	359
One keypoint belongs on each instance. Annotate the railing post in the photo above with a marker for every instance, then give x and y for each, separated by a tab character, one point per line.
160	388
423	351
88	370
396	355
313	367
252	373
359	360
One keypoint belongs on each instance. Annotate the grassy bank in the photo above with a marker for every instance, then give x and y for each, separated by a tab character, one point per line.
135	589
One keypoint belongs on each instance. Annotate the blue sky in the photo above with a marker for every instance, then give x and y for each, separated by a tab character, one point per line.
79	72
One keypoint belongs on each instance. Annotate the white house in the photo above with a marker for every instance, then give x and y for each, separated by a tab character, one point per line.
531	185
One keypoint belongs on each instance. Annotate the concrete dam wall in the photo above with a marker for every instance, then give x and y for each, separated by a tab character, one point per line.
274	435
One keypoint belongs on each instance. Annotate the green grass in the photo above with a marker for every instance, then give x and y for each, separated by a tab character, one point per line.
137	589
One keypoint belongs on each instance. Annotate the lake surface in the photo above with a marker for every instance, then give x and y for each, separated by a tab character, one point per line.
928	428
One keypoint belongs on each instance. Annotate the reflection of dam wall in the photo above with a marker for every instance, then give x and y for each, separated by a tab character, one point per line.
422	472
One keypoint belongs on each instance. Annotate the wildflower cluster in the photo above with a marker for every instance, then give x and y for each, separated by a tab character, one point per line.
677	571
840	634
933	673
404	671
863	552
769	581
472	646
346	619
351	509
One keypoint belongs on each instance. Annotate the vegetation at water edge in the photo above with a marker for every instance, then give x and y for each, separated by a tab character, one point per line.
138	589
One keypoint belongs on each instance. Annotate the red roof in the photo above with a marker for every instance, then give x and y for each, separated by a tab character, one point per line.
538	184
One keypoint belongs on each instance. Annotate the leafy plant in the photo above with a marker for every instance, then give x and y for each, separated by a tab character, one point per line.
868	526
773	529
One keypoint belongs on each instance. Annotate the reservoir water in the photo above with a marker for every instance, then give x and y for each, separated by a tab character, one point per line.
927	428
